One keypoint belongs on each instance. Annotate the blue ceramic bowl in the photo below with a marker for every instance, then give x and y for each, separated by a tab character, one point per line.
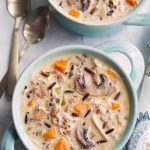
102	28
62	51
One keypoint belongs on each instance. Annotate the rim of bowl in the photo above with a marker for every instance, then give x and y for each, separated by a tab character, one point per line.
102	23
33	65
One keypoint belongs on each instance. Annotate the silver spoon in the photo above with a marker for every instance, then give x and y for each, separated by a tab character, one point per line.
17	9
35	28
38	19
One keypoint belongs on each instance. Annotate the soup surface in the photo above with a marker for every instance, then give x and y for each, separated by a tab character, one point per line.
97	10
75	102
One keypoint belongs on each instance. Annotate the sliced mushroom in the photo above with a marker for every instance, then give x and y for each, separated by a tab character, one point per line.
98	79
40	91
65	132
81	81
89	84
68	97
97	63
58	121
71	2
103	79
86	85
92	89
85	5
95	120
72	70
82	136
111	88
37	121
89	70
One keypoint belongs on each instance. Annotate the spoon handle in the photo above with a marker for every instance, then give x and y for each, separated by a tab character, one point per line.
24	49
3	83
13	62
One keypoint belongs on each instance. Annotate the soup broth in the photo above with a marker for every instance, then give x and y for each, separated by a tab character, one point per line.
75	102
97	10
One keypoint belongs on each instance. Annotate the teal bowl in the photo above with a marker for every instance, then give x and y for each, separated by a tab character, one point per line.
101	28
56	53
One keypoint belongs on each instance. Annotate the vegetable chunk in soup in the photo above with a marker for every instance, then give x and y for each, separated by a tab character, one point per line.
97	10
75	102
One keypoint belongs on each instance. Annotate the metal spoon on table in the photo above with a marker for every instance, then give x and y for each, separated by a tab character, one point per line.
35	28
17	9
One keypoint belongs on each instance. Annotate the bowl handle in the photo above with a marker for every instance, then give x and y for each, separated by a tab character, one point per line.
9	138
133	54
139	20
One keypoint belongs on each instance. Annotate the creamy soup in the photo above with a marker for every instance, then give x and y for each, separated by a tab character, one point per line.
97	10
75	102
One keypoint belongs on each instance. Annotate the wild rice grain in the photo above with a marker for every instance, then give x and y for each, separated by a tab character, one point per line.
109	131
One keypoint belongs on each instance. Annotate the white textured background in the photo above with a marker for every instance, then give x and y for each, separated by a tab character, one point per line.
57	36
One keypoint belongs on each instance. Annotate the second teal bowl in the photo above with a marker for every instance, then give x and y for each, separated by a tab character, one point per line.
102	28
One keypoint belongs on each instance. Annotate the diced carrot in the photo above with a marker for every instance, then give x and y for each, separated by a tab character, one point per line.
103	93
115	105
31	103
61	65
61	145
81	108
38	115
132	2
51	133
75	13
112	74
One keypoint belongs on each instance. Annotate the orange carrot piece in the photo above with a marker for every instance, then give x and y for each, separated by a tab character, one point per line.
61	145
75	13
103	93
115	105
51	133
31	103
61	65
112	74
132	2
81	108
38	115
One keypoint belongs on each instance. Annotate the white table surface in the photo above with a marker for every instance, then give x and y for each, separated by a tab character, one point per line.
57	36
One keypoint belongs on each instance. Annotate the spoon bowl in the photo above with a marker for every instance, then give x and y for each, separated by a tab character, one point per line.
36	27
18	8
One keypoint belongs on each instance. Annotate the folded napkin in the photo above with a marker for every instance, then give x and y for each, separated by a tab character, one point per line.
140	139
